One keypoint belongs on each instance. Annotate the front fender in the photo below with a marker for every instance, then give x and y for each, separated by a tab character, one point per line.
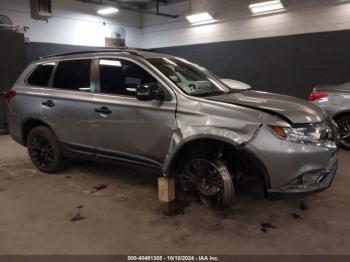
181	137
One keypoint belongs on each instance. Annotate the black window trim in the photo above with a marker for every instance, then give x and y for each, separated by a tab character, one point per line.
50	84
35	68
168	94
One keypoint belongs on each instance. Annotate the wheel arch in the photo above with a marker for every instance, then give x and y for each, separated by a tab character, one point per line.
175	154
340	114
28	125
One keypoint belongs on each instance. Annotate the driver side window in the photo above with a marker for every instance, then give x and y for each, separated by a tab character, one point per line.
121	77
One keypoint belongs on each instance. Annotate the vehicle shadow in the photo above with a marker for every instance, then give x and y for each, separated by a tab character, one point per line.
249	203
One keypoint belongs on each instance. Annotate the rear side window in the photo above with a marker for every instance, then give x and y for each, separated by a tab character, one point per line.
73	75
41	75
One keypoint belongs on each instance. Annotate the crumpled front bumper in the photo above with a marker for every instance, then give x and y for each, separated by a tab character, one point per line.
294	169
308	189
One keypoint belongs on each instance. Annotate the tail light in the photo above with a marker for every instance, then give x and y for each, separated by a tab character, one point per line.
317	96
9	95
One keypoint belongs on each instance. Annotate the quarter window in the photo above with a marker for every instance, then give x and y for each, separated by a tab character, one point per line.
121	77
73	75
41	75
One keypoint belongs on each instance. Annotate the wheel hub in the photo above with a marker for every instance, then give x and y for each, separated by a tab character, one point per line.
345	130
210	179
207	189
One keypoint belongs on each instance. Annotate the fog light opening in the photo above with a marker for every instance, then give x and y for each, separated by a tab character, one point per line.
306	180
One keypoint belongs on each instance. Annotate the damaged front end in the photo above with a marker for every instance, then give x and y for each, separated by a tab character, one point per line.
288	143
312	181
300	160
292	159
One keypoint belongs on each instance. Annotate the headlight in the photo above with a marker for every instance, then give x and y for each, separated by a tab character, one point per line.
308	134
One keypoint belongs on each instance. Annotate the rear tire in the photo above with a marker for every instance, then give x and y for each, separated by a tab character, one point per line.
344	131
45	150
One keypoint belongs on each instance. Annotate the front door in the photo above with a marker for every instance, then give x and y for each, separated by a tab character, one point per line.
126	128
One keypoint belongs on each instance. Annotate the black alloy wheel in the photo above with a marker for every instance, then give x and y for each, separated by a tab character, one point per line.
42	151
45	150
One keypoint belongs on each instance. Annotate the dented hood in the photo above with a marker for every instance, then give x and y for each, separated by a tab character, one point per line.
293	109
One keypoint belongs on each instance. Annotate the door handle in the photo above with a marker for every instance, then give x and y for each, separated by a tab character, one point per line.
103	110
48	103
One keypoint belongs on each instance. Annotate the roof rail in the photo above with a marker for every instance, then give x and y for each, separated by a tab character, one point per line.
126	50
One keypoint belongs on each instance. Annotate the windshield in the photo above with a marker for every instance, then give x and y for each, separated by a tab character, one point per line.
190	78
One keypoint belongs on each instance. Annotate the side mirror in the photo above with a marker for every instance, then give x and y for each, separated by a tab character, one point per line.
148	92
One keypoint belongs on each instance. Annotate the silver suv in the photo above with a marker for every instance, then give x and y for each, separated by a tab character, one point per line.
335	99
167	113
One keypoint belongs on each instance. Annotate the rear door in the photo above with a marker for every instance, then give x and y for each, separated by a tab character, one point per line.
132	130
30	89
68	106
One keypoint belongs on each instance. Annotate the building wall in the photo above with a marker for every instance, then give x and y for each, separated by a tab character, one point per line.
288	52
76	23
235	22
291	65
73	23
35	50
12	57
